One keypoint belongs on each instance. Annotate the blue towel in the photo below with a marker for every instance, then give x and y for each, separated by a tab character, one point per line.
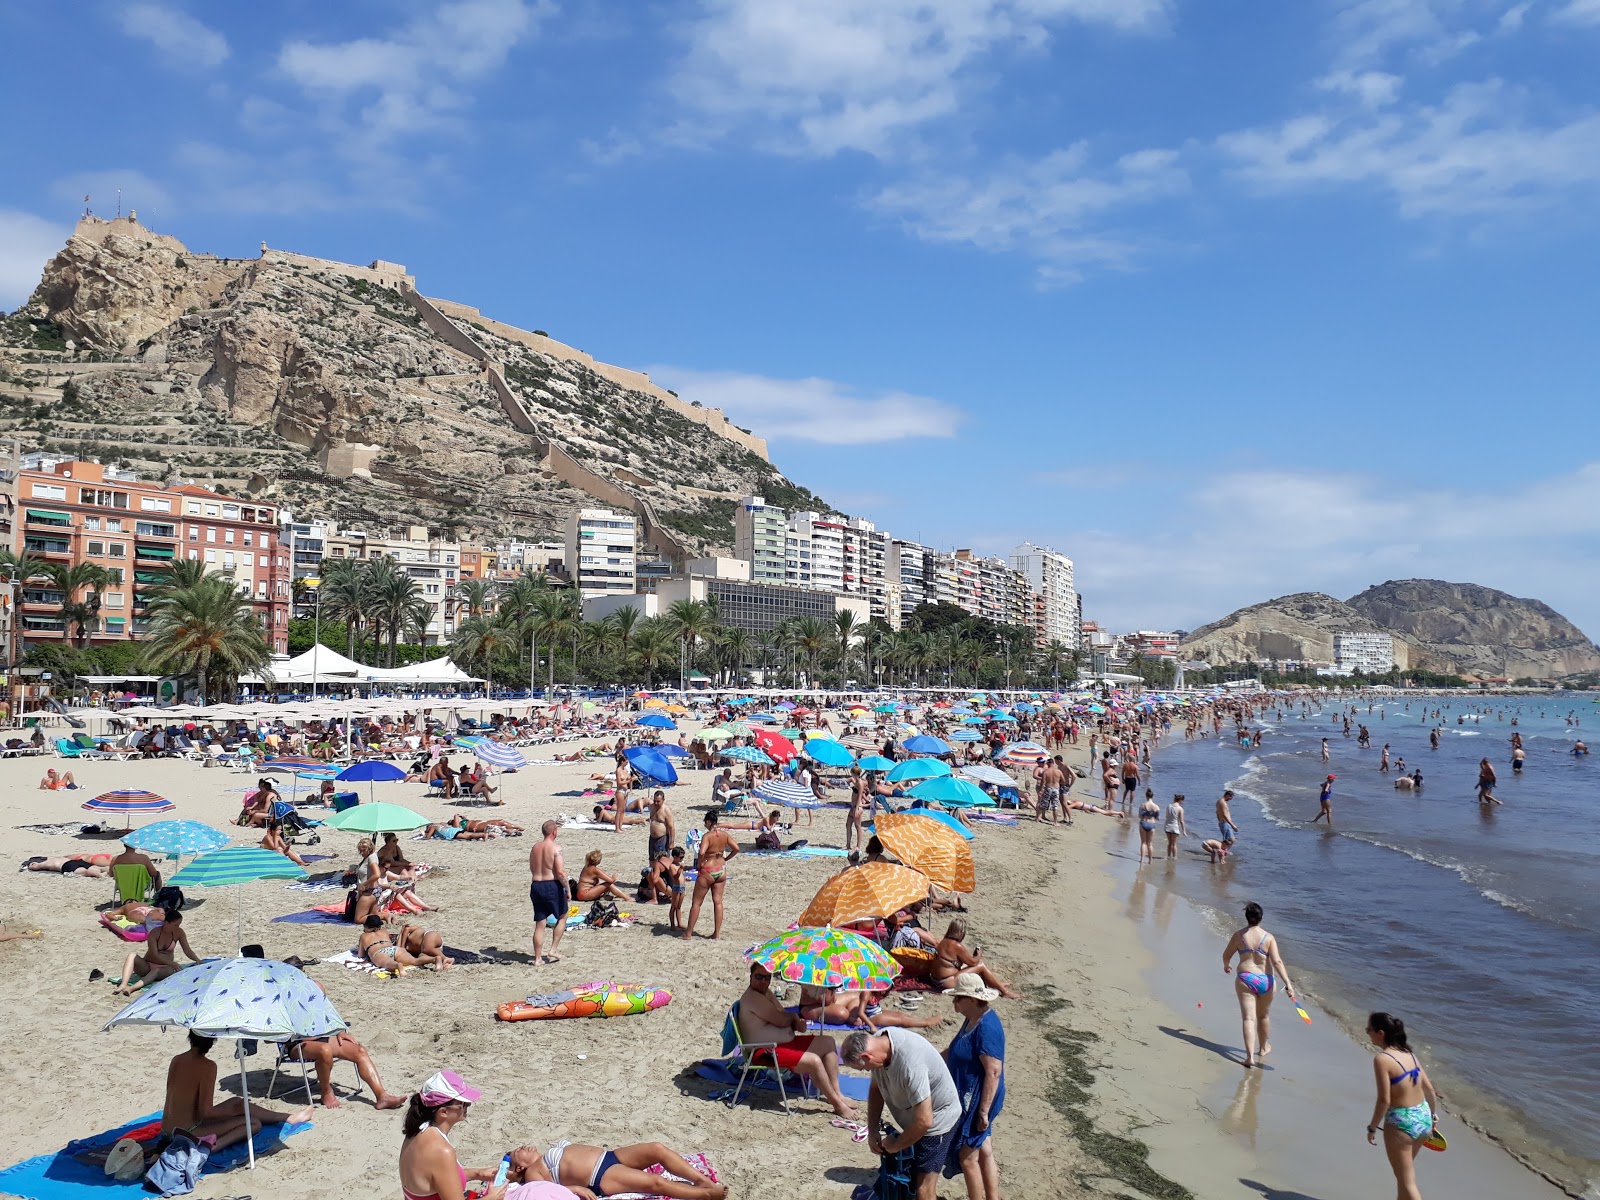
802	852
854	1087
60	1176
310	917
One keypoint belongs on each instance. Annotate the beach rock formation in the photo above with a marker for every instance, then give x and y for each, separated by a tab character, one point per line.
1484	632
344	393
1297	628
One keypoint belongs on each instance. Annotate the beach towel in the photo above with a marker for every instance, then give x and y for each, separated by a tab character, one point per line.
715	1070
352	961
334	882
77	1171
59	828
569	822
328	914
801	852
698	1161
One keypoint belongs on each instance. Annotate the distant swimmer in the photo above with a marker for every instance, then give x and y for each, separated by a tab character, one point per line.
1326	800
1433	739
1579	749
1409	783
1486	782
1517	756
1324	749
1383	765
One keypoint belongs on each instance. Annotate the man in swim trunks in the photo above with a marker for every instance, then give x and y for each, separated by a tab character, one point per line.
663	830
1051	782
763	1020
1226	829
548	892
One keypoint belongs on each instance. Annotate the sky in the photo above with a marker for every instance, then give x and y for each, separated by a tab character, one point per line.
1223	300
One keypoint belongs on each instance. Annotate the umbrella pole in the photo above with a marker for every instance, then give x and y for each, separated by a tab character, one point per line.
244	1092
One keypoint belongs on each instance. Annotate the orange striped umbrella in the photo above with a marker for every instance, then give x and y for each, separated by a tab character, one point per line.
925	845
860	893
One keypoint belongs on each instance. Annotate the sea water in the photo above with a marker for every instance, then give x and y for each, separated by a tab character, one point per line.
1478	926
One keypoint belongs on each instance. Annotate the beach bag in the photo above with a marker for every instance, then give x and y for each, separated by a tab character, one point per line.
125	1163
603	912
170	897
768	839
177	1170
894	1178
350	904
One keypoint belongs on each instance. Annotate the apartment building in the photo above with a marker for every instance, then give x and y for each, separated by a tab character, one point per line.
602	552
435	565
1369	653
813	551
10	465
1054	613
73	511
760	535
866	568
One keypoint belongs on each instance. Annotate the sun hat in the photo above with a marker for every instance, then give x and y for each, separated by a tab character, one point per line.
442	1087
1333	777
970	985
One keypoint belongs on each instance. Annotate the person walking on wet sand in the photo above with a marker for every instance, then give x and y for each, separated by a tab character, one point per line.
1325	798
1176	825
1261	970
1406	1112
548	892
1149	815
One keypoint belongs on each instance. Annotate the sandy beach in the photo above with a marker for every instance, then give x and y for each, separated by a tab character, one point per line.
1101	1055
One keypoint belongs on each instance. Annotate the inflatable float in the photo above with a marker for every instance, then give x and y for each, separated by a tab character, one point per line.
128	931
602	998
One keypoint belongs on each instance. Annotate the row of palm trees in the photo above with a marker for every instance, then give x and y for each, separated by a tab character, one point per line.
198	624
529	620
373	598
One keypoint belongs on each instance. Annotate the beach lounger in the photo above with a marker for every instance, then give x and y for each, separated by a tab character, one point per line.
67	749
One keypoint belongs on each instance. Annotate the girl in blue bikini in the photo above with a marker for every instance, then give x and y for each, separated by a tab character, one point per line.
1406	1101
1261	969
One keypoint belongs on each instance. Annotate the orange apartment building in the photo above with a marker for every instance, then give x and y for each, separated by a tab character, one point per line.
70	512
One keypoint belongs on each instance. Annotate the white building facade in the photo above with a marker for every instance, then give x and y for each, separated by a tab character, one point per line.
602	552
1049	574
1369	653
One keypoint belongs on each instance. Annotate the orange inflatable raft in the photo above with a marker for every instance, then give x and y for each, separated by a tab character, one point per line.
602	998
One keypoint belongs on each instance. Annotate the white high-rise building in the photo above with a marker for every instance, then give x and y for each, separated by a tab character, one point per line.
1369	653
814	549
1050	578
602	551
760	537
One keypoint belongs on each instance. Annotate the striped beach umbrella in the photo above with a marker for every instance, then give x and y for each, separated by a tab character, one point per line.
177	837
1023	754
965	735
127	802
864	892
749	754
826	958
984	773
786	793
936	850
498	754
235	865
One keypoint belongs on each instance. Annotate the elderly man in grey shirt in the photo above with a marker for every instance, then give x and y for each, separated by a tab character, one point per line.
909	1077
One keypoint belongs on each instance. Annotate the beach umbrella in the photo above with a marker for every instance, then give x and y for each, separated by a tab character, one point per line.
237	998
370	772
864	892
237	864
498	754
956	793
885	708
861	741
672	750
786	793
984	773
764	717
652	764
925	744
714	735
829	752
876	762
948	820
965	735
750	754
930	847
656	703
737	728
917	768
656	721
779	747
1023	754
377	818
827	958
973	719
174	838
290	764
128	801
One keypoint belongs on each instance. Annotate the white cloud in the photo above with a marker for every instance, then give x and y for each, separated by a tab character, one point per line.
177	36
1372	31
1472	154
1579	12
27	242
1512	19
1245	537
409	82
1373	89
821	76
1055	209
813	410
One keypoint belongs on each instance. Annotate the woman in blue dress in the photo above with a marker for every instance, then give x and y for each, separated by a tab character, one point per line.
976	1059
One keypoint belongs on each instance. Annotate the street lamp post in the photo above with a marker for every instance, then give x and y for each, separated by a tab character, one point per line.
316	637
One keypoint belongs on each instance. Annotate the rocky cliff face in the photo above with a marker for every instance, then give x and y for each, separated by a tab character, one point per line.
1298	628
320	386
1484	631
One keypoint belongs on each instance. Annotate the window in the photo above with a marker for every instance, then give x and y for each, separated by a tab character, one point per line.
114	575
111	599
211	557
191	508
248	536
211	534
155	504
212	510
49	491
230	511
96	550
194	555
113	524
227	536
227	560
115	625
152	529
91	523
264	560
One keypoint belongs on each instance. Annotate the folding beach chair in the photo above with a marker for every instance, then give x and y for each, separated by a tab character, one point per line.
759	1057
283	1060
132	880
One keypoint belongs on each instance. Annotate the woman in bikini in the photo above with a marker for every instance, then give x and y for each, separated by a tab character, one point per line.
1260	970
594	884
860	802
91	866
1149	817
711	866
1407	1104
378	947
952	958
429	1168
623	1171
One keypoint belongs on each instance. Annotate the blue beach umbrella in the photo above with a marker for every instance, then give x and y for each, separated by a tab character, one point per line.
749	754
671	750
498	754
370	772
957	793
965	735
235	865
926	744
917	768
876	762
174	838
830	753
652	764
657	721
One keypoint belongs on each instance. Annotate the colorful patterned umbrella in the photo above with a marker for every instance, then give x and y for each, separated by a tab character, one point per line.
918	768
861	893
749	754
1023	754
936	850
790	795
177	837
826	958
128	801
377	818
237	864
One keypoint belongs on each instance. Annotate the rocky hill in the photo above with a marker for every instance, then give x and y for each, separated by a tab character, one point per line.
343	392
1484	631
1458	628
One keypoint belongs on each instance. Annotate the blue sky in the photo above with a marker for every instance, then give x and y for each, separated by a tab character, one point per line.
1225	300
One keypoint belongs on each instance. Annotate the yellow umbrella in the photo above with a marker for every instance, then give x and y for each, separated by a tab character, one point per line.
861	893
657	703
931	847
677	709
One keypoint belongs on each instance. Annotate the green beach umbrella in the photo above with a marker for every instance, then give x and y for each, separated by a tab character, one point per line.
377	818
233	865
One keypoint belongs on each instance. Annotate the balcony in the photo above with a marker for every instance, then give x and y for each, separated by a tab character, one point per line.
160	555
45	518
42	598
47	547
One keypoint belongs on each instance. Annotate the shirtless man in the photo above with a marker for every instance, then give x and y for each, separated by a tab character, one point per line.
548	892
1226	829
763	1019
716	849
1486	782
663	830
191	1101
1052	783
158	960
132	857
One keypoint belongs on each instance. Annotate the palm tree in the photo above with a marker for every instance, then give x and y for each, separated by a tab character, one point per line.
810	636
873	638
553	618
80	612
848	628
691	622
181	574
653	642
394	596
733	647
344	598
475	595
208	631
478	641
